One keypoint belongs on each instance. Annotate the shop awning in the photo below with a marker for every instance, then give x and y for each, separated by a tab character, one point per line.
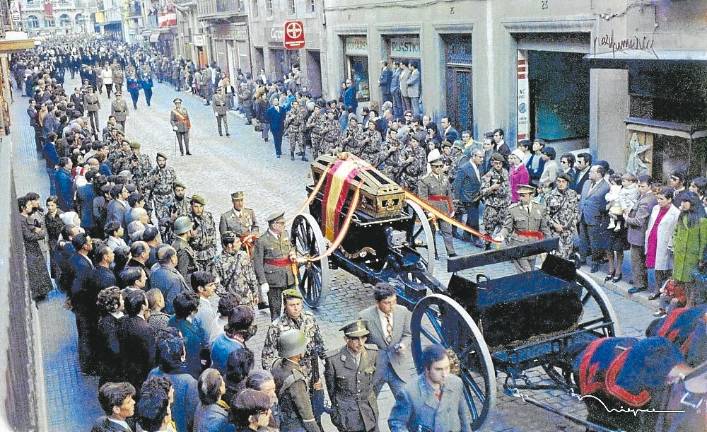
658	127
621	59
154	36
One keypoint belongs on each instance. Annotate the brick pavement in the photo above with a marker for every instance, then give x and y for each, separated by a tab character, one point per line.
219	166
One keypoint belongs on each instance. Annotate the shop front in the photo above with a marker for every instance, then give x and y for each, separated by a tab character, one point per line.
230	47
356	65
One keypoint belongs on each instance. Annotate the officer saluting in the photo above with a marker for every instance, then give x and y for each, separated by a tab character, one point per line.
119	109
291	384
220	110
526	221
179	118
349	377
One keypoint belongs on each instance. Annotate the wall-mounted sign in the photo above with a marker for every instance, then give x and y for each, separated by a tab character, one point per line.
405	47
356	46
294	35
523	126
276	34
199	40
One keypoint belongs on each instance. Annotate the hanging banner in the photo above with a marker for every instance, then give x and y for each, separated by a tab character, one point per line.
48	9
523	126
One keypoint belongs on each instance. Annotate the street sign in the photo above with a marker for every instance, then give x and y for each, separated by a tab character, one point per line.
294	35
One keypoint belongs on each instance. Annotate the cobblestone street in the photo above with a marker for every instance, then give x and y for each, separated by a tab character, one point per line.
219	166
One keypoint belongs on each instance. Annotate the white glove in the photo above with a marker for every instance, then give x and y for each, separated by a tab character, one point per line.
264	288
216	114
175	128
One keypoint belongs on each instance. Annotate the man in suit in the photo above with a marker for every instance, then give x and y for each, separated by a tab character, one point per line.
466	186
389	327
82	268
384	82
592	217
395	91
166	278
450	134
434	401
77	99
137	339
117	402
413	85
84	196
404	75
272	259
637	222
118	205
275	116
350	100
582	166
240	220
349	373
196	339
179	119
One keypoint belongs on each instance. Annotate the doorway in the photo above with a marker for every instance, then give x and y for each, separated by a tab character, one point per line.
459	80
314	73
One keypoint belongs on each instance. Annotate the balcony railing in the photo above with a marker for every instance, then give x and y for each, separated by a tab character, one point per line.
219	8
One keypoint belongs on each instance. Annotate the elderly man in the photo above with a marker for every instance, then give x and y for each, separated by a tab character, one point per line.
166	278
240	220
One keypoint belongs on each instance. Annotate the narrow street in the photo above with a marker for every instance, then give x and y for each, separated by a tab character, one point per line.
219	166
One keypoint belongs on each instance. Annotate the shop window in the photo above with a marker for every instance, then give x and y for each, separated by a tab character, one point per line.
32	22
64	21
291	6
254	8
358	72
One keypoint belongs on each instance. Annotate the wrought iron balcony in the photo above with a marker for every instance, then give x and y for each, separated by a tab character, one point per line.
215	9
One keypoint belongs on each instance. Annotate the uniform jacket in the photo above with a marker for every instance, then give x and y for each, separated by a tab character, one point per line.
413	83
592	202
688	247
418	406
400	361
239	225
186	257
220	105
295	405
519	219
663	256
638	219
432	185
137	349
170	282
91	102
351	388
179	118
270	247
119	109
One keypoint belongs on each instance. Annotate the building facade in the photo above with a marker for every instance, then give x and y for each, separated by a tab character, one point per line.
54	17
532	67
226	36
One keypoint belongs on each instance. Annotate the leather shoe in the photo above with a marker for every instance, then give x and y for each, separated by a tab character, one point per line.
608	276
634	290
451	255
595	268
617	278
655	296
188	154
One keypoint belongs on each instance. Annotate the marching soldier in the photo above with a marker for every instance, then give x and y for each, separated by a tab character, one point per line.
235	271
294	124
92	105
496	195
330	133
349	380
413	161
119	109
435	189
314	125
273	258
179	118
240	220
186	258
203	240
525	221
371	144
221	110
291	384
352	141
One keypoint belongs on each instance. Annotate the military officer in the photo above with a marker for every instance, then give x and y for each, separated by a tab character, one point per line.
119	109
349	377
273	258
203	240
162	180
525	221
221	111
179	118
235	271
294	124
186	258
93	105
291	384
240	219
118	77
495	193
435	188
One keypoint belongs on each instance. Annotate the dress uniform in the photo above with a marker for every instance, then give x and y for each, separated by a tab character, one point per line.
241	222
273	264
204	239
350	383
92	105
435	189
119	109
296	412
525	222
221	110
186	258
179	118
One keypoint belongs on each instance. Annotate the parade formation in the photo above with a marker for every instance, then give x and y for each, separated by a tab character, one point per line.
167	291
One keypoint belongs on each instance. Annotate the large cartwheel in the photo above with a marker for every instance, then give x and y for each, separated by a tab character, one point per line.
313	277
421	237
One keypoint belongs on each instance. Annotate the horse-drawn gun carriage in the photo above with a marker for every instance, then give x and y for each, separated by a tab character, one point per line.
364	223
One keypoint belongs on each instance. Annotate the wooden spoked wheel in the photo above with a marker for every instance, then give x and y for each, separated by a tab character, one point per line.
421	237
314	278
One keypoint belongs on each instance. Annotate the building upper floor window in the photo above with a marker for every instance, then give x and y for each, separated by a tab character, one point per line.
268	7
48	22
32	21
254	8
291	6
64	21
312	5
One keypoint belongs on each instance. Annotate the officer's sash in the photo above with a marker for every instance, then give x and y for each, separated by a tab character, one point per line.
184	119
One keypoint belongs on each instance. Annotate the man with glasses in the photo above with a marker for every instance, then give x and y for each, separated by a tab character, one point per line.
350	380
567	167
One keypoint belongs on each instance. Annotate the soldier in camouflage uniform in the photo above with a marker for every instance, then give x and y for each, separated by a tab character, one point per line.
330	133
235	271
162	179
458	156
294	125
204	239
372	144
179	206
294	317
495	192
141	167
413	162
352	139
315	125
389	160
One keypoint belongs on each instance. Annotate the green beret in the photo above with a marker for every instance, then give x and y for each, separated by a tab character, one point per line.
179	184
291	293
161	155
135	145
198	199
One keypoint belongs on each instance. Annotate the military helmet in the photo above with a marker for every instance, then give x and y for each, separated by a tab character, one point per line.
182	225
291	343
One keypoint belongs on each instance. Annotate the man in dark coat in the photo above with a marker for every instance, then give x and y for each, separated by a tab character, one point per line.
275	116
65	184
82	268
117	402
350	101
166	278
384	82
137	339
466	186
592	212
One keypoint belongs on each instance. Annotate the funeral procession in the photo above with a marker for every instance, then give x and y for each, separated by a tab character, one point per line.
353	216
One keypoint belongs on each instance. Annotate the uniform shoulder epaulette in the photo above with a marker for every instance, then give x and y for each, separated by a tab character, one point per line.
371	347
332	353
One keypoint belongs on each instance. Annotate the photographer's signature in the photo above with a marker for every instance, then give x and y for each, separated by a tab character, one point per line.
644	43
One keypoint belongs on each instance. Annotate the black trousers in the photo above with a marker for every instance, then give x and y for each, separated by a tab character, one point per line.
275	300
86	329
183	140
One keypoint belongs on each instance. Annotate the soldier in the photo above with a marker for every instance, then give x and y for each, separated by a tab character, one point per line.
330	133
296	412
179	205
141	167
496	195
221	111
294	124
118	77
314	125
245	100
389	159
273	258
525	221
294	317
371	144
93	105
435	188
162	180
235	271
203	240
179	118
186	258
349	374
119	109
413	162
240	219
